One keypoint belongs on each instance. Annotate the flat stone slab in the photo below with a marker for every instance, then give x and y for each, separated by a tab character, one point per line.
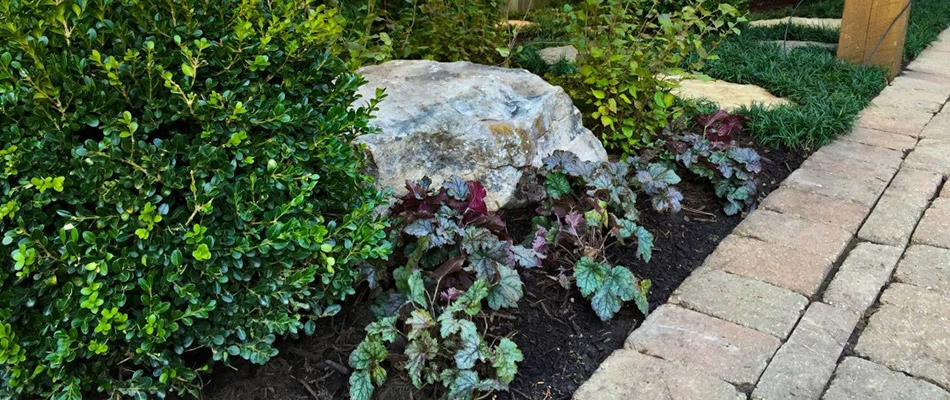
727	95
926	267
862	275
744	301
857	378
710	345
789	45
552	55
932	63
883	139
909	333
930	155
893	220
627	374
803	365
894	120
934	228
825	183
793	232
798	270
827	23
844	214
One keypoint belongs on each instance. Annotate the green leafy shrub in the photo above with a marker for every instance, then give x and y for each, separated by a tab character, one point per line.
177	179
455	257
710	152
592	206
625	48
441	30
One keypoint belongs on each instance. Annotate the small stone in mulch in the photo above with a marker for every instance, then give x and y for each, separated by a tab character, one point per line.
827	23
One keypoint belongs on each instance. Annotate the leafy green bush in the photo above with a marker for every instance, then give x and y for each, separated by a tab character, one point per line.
441	30
456	256
625	46
178	179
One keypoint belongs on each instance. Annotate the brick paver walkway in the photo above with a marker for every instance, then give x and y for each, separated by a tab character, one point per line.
838	287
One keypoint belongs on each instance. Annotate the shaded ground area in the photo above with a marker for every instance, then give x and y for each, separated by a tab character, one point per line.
563	341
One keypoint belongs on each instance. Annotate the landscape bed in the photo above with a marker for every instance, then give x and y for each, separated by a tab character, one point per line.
563	341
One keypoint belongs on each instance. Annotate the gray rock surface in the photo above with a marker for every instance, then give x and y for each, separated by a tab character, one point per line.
552	55
470	120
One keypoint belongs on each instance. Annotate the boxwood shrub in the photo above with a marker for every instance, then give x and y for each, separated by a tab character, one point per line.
177	187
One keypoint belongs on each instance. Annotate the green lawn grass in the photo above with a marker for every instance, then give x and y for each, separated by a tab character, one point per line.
808	9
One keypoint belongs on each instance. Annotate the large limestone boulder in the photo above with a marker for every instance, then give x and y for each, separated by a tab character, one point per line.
470	120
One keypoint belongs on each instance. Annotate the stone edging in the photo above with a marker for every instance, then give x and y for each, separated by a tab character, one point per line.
772	310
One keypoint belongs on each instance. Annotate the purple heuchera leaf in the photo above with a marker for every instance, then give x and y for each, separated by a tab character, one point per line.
477	193
450	294
574	220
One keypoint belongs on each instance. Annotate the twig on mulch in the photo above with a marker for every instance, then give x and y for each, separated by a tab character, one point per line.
307	386
700	212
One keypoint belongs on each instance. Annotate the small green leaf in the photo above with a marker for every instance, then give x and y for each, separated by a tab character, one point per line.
557	185
417	289
507	356
589	275
361	385
201	253
507	291
188	70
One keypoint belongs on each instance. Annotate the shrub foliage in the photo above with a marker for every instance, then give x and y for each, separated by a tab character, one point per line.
176	176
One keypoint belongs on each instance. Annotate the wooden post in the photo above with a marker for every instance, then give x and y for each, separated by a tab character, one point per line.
864	23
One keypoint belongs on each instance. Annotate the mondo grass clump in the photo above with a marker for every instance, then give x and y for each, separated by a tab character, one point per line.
827	93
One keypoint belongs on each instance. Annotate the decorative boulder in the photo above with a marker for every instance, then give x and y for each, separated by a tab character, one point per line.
478	122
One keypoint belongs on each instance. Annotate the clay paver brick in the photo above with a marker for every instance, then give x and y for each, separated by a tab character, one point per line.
627	374
893	220
927	267
934	228
931	63
710	345
865	193
938	128
861	152
857	378
850	167
915	183
845	214
931	155
923	81
803	365
862	275
909	333
798	270
795	232
902	98
895	120
883	139
744	301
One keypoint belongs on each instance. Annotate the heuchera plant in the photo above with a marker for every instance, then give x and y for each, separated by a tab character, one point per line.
457	257
589	207
712	154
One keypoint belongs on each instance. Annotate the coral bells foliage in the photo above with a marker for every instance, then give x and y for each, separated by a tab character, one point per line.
591	206
175	178
709	150
457	259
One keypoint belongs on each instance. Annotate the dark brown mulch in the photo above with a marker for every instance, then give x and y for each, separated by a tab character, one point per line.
563	341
